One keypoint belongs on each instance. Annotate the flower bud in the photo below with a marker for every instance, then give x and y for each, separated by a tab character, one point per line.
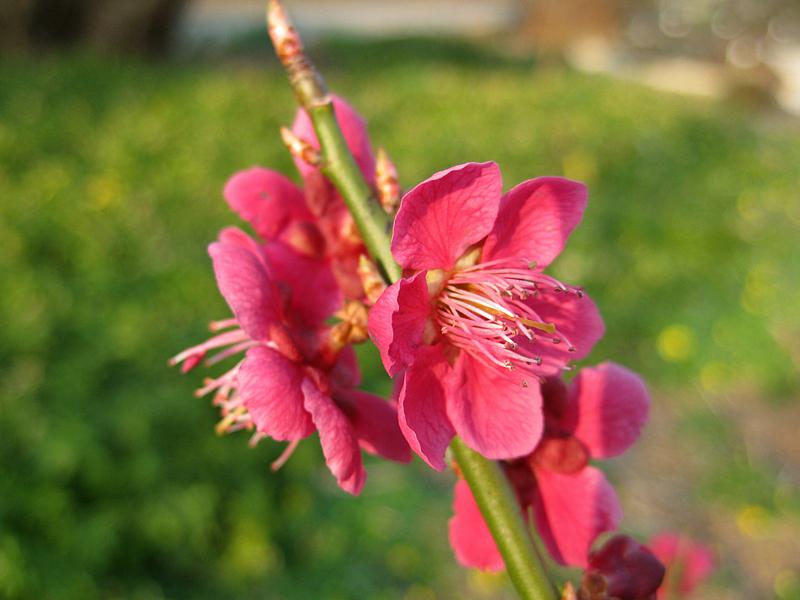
371	279
386	182
300	148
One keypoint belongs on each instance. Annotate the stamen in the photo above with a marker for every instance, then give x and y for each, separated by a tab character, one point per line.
483	309
285	455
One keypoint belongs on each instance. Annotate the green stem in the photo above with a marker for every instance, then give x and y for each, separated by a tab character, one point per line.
500	509
340	167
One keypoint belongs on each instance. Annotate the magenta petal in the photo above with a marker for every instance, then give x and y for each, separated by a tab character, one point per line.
572	510
470	538
312	291
612	407
265	199
339	444
577	321
243	281
691	561
535	220
397	321
445	214
345	373
421	406
269	384
493	411
354	128
374	421
237	237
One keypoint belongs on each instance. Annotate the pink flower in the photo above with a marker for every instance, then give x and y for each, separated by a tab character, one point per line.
475	323
600	415
291	381
688	563
314	221
622	569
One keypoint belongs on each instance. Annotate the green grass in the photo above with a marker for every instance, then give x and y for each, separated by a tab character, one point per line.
113	484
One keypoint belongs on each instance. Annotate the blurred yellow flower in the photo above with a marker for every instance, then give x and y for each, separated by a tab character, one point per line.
753	520
676	343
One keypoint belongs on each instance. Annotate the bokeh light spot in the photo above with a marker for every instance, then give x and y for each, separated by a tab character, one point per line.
676	343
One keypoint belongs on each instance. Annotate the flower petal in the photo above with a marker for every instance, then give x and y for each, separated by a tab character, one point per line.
374	421
269	384
576	319
535	220
354	128
612	407
470	538
421	406
265	199
445	214
493	411
339	444
572	510
692	562
345	373
313	295
244	283
397	321
237	237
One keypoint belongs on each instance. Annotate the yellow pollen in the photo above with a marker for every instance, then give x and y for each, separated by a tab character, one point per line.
229	419
547	327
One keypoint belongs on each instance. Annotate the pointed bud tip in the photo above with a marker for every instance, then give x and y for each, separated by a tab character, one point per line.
300	149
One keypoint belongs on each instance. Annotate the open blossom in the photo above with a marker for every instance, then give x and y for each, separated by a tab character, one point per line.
475	323
622	569
294	379
688	563
313	220
600	415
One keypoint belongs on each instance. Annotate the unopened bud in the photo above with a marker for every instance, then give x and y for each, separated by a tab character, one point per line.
303	77
300	148
386	182
284	36
371	279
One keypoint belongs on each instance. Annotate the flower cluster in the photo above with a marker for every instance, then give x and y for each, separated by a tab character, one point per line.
476	334
299	373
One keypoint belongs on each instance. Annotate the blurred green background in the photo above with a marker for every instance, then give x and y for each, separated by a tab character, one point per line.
113	483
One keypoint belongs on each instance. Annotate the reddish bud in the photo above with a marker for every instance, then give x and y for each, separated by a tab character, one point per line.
623	569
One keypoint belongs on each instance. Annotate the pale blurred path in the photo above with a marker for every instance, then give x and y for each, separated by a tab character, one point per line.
219	19
210	22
